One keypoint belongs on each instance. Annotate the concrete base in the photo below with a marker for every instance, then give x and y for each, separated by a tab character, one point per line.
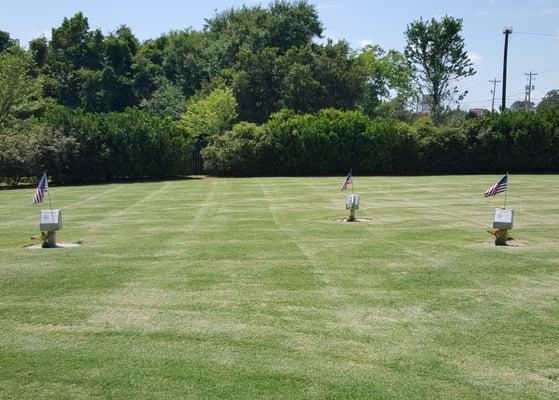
56	246
501	237
50	242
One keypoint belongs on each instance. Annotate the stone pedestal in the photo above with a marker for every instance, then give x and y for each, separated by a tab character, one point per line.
50	242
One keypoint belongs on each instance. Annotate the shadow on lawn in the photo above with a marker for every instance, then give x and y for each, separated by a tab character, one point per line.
32	185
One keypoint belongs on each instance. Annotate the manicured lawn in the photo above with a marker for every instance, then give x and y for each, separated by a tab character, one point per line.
249	288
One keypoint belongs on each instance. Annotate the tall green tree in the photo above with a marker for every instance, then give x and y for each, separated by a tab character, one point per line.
20	90
438	54
6	41
387	84
522	105
209	114
166	101
321	76
39	49
256	84
551	99
283	25
68	53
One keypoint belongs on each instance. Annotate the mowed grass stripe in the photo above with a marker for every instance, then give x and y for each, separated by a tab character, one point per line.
249	288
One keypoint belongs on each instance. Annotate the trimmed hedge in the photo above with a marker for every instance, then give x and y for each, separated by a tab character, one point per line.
128	145
333	141
82	147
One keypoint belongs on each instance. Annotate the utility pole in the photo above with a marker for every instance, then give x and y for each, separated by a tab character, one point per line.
494	82
529	89
507	32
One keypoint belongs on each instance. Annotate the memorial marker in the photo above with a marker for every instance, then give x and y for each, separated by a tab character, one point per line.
50	220
352	200
503	217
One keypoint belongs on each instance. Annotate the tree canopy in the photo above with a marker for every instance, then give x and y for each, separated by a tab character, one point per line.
438	54
551	99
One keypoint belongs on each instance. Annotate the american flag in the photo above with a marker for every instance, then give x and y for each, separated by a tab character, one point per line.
41	190
499	187
347	181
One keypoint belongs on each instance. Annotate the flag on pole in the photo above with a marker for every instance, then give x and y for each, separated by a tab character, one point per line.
347	181
499	187
41	190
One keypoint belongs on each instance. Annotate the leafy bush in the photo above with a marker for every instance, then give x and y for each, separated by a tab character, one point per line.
332	141
124	145
29	149
235	152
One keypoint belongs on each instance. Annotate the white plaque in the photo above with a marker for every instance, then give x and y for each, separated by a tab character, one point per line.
51	220
503	218
352	202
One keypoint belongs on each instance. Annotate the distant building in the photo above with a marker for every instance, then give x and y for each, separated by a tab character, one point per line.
478	111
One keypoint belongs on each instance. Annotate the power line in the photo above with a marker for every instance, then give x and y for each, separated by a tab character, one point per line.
529	88
537	34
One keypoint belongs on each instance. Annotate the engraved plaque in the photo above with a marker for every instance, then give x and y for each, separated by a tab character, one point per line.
352	202
503	218
51	220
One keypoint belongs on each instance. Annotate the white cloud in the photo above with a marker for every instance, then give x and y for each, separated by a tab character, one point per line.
476	58
364	42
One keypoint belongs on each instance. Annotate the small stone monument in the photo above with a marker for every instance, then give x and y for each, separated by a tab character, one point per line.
352	204
50	222
502	223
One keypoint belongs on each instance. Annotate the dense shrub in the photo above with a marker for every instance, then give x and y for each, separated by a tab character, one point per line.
333	141
518	142
324	143
236	150
29	149
124	145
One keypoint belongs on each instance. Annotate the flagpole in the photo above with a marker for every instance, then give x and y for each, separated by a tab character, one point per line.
506	190
48	194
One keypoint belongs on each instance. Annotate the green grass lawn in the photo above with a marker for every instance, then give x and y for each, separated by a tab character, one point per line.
249	288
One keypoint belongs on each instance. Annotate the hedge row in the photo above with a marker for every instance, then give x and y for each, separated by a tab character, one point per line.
332	142
128	145
83	147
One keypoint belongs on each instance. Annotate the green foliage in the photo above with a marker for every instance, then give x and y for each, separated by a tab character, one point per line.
266	55
38	48
444	149
256	84
6	41
333	141
20	91
235	152
551	99
318	77
283	25
126	145
327	142
186	60
209	114
438	53
388	78
17	157
29	148
166	101
522	105
520	141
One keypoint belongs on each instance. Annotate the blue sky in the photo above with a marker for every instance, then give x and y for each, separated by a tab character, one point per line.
360	22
